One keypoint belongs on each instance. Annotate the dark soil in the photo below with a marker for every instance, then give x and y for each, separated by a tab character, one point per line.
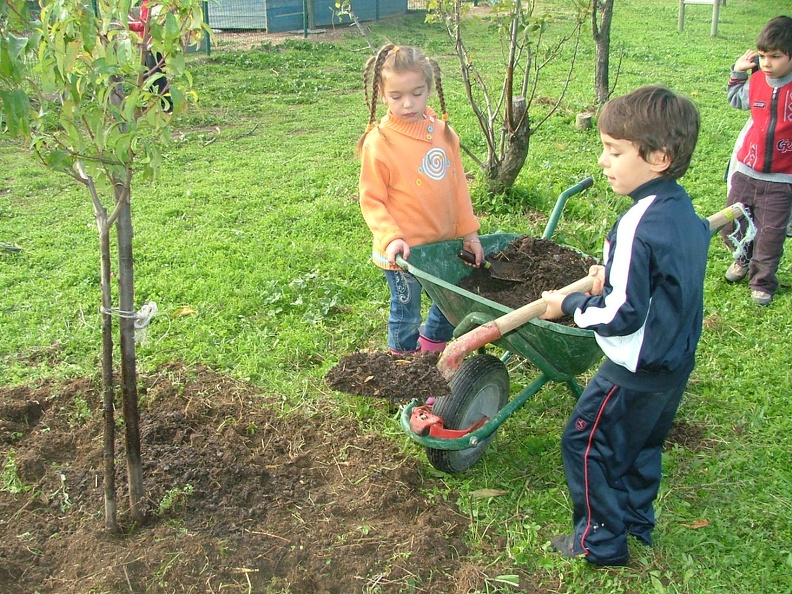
542	263
242	498
397	378
241	495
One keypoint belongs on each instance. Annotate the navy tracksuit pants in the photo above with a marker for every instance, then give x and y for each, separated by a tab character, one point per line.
611	449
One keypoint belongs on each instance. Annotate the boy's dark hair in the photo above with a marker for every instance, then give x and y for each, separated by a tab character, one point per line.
655	119
776	36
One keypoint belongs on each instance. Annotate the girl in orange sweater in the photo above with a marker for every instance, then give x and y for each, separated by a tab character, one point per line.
412	186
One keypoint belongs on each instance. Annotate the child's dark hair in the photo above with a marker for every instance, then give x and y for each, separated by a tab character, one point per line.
398	58
655	119
776	36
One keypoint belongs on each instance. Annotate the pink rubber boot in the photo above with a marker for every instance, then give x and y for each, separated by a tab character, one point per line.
427	344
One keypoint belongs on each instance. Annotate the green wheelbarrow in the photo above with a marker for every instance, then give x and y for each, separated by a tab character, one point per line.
457	429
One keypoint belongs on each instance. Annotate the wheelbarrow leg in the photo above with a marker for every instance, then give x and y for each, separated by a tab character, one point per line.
574	387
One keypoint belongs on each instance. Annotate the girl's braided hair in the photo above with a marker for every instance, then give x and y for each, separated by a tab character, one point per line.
398	58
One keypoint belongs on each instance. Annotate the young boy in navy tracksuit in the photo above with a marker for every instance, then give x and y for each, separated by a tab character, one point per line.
646	312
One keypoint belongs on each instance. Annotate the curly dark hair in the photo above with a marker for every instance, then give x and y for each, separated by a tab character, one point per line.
776	35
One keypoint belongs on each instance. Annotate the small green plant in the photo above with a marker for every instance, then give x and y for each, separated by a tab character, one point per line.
174	499
80	413
10	480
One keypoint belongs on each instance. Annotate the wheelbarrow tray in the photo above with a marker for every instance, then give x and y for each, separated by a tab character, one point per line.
560	352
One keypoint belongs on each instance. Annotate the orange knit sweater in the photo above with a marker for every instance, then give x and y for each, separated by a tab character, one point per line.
412	185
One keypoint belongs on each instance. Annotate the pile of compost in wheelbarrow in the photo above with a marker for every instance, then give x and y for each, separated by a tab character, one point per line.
398	378
542	264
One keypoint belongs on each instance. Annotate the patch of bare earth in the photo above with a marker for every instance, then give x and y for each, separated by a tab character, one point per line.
241	498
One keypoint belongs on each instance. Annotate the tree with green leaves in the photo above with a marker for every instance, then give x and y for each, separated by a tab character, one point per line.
77	89
503	112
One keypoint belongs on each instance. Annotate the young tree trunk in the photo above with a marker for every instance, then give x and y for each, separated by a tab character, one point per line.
501	176
126	298
108	406
601	27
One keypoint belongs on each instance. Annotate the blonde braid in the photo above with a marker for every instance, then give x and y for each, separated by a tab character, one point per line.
372	72
440	95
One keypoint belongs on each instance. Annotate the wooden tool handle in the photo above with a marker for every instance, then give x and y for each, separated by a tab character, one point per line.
518	317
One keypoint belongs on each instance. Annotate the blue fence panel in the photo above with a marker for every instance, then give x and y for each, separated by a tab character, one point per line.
276	16
365	10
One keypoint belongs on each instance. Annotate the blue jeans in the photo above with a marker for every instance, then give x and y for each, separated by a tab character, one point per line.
404	319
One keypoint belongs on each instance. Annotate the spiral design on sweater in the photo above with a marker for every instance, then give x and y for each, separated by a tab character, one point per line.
435	164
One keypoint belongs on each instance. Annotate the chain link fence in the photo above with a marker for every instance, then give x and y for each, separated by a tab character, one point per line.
239	23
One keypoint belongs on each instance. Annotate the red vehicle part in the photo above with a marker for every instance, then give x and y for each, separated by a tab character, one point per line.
423	422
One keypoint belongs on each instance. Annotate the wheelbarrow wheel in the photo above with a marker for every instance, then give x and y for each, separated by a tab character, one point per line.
480	388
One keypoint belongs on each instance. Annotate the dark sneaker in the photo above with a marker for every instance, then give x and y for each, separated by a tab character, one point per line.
761	298
736	272
565	544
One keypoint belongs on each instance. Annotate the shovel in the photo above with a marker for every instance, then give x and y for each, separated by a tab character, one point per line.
499	270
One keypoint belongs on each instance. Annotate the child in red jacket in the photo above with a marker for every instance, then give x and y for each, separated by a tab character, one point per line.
155	62
762	178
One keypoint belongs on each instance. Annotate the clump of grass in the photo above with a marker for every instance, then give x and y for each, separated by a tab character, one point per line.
10	480
174	499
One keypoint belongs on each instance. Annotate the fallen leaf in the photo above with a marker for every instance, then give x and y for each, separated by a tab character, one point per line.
480	493
697	524
183	311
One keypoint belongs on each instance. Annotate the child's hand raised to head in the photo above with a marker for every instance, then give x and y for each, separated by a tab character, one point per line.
746	62
396	247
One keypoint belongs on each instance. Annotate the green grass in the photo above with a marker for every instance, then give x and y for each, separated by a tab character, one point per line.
253	224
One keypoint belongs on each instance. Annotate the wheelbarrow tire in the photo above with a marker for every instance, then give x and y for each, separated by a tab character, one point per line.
480	388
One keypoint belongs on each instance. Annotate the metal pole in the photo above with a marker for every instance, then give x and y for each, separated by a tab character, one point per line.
206	20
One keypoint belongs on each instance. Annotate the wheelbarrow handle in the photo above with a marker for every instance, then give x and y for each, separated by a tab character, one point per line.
723	217
552	222
458	349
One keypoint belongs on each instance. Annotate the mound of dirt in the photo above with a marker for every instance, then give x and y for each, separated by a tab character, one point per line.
397	378
543	264
242	498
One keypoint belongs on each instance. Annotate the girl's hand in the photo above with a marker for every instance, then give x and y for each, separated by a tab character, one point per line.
473	245
598	272
396	247
746	62
553	301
